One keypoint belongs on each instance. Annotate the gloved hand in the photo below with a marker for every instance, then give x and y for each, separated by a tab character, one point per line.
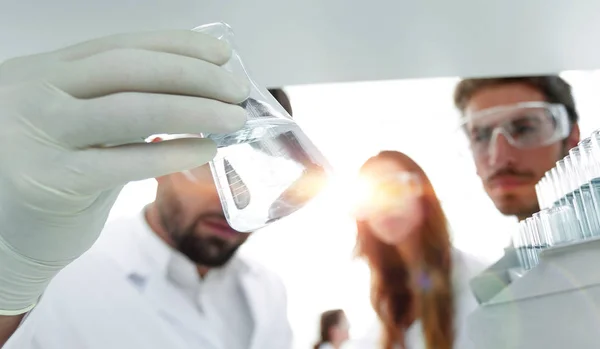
72	124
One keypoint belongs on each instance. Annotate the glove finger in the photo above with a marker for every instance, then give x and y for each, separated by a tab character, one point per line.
179	42
128	70
115	166
128	117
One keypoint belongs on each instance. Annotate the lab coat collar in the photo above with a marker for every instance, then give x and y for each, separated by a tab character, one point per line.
155	253
144	257
154	256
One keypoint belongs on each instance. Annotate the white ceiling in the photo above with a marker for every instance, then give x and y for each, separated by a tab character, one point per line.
287	42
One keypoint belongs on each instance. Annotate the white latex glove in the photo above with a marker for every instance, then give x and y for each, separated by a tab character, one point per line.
57	185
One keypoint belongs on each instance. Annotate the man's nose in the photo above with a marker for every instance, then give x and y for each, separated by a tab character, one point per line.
500	151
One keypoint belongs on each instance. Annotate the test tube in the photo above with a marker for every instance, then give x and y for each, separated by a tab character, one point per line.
556	187
548	223
543	229
529	243
544	237
564	213
571	224
550	195
547	190
574	195
539	192
594	169
542	196
537	240
519	243
591	188
557	219
578	169
563	181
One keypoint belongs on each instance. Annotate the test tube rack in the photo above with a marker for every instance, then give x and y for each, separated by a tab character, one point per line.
555	304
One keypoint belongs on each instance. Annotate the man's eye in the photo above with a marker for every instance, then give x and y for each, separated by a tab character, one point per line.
525	124
480	135
524	129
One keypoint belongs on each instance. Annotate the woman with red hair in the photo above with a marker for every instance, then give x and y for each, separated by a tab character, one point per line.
419	281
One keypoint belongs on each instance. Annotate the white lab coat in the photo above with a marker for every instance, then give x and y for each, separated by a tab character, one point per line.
465	267
113	297
325	346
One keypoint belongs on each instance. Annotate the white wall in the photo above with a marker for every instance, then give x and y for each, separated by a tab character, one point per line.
314	41
312	250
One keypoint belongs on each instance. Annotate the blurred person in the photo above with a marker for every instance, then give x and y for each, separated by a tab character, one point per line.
517	128
282	98
419	281
333	330
169	277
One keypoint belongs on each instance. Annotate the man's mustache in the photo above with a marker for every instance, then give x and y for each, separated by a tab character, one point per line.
504	172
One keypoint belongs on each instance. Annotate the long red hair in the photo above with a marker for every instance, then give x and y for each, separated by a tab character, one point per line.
391	296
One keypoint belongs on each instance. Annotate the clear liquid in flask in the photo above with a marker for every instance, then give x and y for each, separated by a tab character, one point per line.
266	171
270	168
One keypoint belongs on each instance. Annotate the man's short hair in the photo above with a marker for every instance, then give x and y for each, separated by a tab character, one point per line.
282	98
553	87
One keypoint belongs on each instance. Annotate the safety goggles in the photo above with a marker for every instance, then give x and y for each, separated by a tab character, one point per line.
523	125
386	194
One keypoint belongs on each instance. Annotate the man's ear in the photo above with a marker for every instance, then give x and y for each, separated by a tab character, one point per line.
574	137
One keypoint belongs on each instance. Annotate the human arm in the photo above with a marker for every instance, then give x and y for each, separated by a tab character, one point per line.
8	325
72	121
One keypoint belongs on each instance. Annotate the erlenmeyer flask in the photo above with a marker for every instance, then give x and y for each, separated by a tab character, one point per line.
270	168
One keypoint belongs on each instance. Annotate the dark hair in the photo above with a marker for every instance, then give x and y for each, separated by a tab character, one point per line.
329	320
391	295
554	88
282	98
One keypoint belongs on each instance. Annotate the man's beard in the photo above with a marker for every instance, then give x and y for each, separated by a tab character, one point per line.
525	212
205	251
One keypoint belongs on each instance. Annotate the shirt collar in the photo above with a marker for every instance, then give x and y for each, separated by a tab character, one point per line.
155	256
155	253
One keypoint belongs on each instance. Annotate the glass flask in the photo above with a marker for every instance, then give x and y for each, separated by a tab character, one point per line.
270	168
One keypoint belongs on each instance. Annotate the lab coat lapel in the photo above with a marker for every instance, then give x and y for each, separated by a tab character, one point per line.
257	303
174	310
